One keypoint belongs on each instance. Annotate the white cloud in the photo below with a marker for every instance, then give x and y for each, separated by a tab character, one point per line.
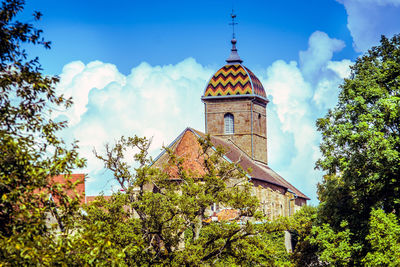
152	101
341	68
300	95
292	138
320	51
78	79
330	77
289	92
367	20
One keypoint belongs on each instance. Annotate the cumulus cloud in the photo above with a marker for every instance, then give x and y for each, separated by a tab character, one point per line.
301	93
320	51
367	20
289	91
77	80
152	101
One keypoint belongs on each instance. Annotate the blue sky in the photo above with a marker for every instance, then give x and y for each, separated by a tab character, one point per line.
126	33
140	67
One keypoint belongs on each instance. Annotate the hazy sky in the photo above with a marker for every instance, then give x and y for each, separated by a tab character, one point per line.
140	67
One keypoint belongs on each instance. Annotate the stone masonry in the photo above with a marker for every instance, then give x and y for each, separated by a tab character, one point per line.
250	133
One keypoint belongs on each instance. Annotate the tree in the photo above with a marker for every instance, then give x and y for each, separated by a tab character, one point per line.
30	150
361	146
335	247
304	252
384	240
159	220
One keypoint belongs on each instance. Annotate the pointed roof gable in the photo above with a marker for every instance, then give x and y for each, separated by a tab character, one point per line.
187	147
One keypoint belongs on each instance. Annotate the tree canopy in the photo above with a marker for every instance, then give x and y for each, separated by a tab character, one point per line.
361	146
165	225
30	150
159	220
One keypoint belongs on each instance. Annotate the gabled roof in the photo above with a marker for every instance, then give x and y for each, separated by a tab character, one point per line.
186	146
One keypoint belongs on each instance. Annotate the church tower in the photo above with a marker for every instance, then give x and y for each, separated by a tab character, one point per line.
235	107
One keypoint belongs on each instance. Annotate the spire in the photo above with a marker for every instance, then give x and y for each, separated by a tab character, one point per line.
234	57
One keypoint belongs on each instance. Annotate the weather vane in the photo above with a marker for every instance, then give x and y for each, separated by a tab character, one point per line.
233	15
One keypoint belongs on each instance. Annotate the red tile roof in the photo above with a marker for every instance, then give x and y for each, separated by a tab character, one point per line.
224	215
78	191
228	215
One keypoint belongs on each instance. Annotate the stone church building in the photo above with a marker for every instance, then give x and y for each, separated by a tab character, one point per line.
235	105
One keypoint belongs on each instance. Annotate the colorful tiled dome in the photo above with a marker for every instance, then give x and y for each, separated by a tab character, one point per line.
234	79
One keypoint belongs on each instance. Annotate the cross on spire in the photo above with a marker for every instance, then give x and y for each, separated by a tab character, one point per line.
234	57
233	23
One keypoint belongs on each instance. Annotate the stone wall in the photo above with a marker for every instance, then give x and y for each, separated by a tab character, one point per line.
274	204
250	124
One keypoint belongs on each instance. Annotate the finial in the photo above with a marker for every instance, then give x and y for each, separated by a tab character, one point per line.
234	57
233	23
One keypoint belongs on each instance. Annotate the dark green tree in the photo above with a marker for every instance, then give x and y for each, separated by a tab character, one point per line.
30	151
301	224
361	146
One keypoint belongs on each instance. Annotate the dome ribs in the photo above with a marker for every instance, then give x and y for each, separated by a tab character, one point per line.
258	88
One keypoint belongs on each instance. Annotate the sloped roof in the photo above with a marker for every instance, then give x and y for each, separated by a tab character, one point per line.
187	147
78	191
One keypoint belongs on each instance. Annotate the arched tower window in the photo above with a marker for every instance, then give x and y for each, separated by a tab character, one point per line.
229	124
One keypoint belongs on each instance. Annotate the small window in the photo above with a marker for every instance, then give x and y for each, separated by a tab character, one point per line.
229	125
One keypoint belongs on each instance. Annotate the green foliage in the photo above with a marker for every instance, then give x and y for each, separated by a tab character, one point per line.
384	239
164	221
304	252
361	147
30	150
336	247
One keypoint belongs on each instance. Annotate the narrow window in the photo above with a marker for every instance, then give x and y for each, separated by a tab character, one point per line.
229	126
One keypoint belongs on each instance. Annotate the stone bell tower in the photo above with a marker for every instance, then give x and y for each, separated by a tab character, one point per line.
235	107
